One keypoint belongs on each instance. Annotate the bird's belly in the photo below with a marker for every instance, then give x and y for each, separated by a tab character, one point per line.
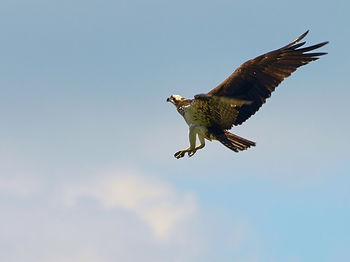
201	130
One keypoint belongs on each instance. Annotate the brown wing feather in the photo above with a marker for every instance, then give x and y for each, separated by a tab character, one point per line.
216	111
257	78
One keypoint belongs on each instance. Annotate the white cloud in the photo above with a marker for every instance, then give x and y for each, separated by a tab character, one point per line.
157	203
129	211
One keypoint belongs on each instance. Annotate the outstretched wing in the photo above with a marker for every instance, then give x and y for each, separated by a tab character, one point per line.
257	78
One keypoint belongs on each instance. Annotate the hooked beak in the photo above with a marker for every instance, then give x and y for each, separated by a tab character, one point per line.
168	100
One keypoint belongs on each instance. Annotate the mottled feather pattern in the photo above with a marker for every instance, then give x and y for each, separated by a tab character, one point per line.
223	110
201	113
213	111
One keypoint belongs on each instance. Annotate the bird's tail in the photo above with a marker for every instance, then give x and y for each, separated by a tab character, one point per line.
234	142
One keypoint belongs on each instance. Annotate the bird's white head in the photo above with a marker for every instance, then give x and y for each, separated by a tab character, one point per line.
174	99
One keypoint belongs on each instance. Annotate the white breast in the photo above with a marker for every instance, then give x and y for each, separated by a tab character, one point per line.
188	115
195	121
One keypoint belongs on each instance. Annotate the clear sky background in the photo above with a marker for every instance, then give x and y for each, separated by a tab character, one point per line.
87	172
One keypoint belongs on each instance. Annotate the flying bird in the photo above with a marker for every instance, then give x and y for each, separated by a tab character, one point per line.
240	96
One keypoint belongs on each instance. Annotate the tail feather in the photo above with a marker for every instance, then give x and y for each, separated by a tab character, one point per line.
234	142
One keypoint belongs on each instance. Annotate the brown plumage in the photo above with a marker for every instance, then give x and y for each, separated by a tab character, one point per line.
240	96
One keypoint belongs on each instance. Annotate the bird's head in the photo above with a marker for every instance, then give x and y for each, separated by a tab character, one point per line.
175	99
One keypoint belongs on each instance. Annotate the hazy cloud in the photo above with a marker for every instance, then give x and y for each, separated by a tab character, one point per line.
155	202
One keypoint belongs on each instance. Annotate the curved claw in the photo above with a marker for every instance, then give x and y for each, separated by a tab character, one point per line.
180	154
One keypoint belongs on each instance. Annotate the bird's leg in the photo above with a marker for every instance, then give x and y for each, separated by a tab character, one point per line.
192	149
202	141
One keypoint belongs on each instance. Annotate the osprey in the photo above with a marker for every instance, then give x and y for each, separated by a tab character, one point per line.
241	95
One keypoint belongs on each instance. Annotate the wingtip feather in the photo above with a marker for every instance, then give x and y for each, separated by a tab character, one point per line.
302	36
296	40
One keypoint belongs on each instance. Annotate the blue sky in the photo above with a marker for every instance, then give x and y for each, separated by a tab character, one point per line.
87	171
